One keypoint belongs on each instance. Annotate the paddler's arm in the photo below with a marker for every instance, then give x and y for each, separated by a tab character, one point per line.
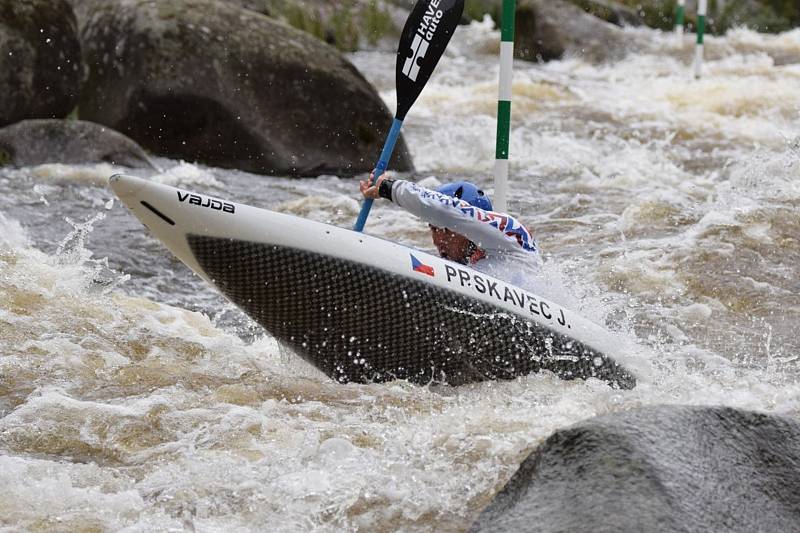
490	231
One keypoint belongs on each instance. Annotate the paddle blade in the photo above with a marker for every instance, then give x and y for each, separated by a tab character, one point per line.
425	36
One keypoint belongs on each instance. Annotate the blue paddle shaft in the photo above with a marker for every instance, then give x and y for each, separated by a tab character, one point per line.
380	168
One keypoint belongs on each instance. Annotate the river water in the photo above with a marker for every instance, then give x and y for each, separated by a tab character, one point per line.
132	397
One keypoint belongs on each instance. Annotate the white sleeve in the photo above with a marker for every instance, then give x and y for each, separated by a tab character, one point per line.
491	231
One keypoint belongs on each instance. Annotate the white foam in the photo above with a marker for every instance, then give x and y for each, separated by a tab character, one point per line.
12	234
96	174
185	174
65	495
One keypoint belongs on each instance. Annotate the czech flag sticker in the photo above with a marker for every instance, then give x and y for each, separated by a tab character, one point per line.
419	266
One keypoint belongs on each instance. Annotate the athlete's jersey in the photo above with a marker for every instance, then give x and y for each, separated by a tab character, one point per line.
511	252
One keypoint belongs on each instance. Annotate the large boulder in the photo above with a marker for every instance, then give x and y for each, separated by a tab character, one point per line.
610	11
665	468
551	29
73	142
40	60
212	82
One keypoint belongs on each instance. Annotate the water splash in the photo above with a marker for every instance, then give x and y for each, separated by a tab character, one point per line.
72	252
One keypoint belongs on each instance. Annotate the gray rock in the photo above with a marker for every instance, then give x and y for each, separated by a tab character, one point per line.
40	60
610	11
211	82
35	142
549	29
665	468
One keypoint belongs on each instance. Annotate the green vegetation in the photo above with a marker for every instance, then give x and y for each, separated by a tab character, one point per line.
476	9
344	28
654	13
348	24
305	20
377	22
345	24
764	15
760	15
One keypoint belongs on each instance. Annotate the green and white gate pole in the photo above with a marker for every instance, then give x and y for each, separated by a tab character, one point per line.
702	8
680	11
504	106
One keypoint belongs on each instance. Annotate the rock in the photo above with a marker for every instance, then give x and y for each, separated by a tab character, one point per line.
610	11
35	142
40	60
665	468
549	29
211	82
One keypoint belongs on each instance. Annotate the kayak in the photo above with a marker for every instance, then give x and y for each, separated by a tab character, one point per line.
364	309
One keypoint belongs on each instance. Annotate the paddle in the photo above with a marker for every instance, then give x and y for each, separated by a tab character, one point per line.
425	36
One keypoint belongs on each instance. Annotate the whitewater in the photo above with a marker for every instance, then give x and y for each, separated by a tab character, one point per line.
134	398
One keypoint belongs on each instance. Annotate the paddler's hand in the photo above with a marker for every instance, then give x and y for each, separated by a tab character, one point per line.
371	191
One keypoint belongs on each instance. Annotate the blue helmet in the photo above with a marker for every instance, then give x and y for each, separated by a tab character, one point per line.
469	192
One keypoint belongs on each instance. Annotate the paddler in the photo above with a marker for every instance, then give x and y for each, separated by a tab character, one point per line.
464	227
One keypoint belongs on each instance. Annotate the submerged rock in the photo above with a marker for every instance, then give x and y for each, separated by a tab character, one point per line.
208	81
71	142
665	468
40	60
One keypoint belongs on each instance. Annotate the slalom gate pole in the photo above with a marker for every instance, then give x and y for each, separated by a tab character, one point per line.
702	8
504	105
680	11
